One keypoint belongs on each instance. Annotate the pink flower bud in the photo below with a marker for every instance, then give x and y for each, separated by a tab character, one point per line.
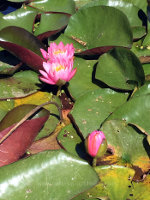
96	144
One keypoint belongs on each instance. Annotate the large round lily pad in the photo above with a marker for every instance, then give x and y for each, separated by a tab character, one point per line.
94	32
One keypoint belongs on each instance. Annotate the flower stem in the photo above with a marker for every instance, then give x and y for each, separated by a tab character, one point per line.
94	162
58	91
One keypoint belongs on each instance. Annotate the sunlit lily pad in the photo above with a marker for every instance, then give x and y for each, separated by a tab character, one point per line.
65	6
115	184
127	143
35	177
23	17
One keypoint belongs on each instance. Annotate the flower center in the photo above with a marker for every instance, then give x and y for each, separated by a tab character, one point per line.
60	67
59	51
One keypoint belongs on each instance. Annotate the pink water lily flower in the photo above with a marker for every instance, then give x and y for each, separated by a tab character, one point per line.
57	51
96	144
57	72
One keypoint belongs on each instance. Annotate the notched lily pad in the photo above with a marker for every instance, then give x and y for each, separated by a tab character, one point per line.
55	23
120	68
89	33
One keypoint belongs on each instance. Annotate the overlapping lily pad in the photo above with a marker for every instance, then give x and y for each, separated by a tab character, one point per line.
22	44
22	17
14	145
91	109
37	99
8	63
127	143
5	106
56	22
71	141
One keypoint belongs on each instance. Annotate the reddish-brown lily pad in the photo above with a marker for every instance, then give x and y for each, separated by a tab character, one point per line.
15	145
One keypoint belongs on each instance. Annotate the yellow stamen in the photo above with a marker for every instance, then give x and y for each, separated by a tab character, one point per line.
59	67
59	51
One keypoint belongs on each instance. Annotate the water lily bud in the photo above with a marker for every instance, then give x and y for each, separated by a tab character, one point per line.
96	144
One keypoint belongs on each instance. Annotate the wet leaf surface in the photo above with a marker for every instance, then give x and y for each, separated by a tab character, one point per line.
42	171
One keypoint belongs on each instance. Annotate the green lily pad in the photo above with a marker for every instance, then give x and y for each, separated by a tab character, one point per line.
120	68
35	177
53	119
71	141
94	32
141	4
56	22
20	85
23	17
130	10
127	143
82	82
65	6
5	107
91	109
116	181
114	184
146	68
140	51
136	111
144	90
141	190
